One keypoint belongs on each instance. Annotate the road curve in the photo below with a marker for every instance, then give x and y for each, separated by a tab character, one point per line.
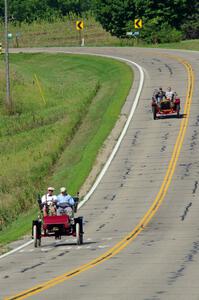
161	262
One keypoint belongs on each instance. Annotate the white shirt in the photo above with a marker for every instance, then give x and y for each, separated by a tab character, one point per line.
169	94
48	198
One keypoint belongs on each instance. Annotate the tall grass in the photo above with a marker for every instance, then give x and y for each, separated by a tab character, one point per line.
60	32
48	142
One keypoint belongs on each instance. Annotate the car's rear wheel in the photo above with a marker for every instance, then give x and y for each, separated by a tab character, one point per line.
154	112
77	227
37	239
79	235
178	110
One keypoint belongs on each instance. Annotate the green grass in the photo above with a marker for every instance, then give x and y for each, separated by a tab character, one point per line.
17	229
184	45
54	142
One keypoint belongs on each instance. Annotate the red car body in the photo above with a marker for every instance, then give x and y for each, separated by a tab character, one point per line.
166	107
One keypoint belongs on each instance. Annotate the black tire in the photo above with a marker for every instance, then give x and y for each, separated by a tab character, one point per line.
154	112
81	239
178	110
77	228
39	242
35	236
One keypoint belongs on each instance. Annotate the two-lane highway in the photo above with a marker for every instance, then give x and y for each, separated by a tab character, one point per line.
153	177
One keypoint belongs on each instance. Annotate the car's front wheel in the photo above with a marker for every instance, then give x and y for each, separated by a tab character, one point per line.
154	112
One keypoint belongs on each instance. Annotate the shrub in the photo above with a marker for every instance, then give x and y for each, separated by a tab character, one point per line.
191	30
155	33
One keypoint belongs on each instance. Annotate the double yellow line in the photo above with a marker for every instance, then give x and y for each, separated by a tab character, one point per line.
147	217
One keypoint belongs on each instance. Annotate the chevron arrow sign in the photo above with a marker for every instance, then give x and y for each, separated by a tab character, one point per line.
138	23
79	25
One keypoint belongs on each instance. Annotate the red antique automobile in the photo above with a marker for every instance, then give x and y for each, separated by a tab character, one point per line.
165	107
57	226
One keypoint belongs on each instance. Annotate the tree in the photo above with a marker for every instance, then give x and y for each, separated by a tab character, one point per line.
75	6
27	10
171	11
168	16
115	16
190	27
30	10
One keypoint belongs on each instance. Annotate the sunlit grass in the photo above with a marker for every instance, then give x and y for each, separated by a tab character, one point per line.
55	142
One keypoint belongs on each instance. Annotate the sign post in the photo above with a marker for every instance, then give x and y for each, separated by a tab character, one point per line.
80	27
8	96
137	25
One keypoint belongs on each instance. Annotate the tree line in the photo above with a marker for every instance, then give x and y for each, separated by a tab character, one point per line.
163	21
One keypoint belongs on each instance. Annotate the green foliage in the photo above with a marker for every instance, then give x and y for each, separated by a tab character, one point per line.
163	20
172	12
30	10
115	15
190	27
164	34
75	6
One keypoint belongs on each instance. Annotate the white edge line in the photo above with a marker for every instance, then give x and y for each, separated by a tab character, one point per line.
115	149
16	249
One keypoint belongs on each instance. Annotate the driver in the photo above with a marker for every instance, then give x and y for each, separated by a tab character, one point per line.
161	94
65	203
48	202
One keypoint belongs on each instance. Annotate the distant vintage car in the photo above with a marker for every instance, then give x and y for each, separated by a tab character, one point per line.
57	226
165	107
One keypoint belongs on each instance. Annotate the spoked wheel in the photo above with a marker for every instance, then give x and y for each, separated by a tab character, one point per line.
37	241
154	112
79	235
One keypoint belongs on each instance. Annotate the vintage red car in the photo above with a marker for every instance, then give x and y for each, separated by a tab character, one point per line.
57	226
165	107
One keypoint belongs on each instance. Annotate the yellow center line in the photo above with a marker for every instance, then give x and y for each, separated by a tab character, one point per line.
149	214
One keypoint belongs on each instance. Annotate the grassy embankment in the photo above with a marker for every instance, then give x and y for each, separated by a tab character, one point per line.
184	45
55	134
59	33
63	33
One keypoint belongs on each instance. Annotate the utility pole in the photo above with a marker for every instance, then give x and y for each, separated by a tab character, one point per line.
8	97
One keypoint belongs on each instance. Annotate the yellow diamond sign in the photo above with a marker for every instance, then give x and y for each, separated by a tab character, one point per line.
138	23
79	25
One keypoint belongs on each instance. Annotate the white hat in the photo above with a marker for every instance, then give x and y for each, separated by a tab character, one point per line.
63	189
50	188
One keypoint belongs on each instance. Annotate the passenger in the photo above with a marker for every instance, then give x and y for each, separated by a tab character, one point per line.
169	94
161	94
155	95
65	203
175	96
49	202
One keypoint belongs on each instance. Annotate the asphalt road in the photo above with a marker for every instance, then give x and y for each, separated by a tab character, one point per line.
162	262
